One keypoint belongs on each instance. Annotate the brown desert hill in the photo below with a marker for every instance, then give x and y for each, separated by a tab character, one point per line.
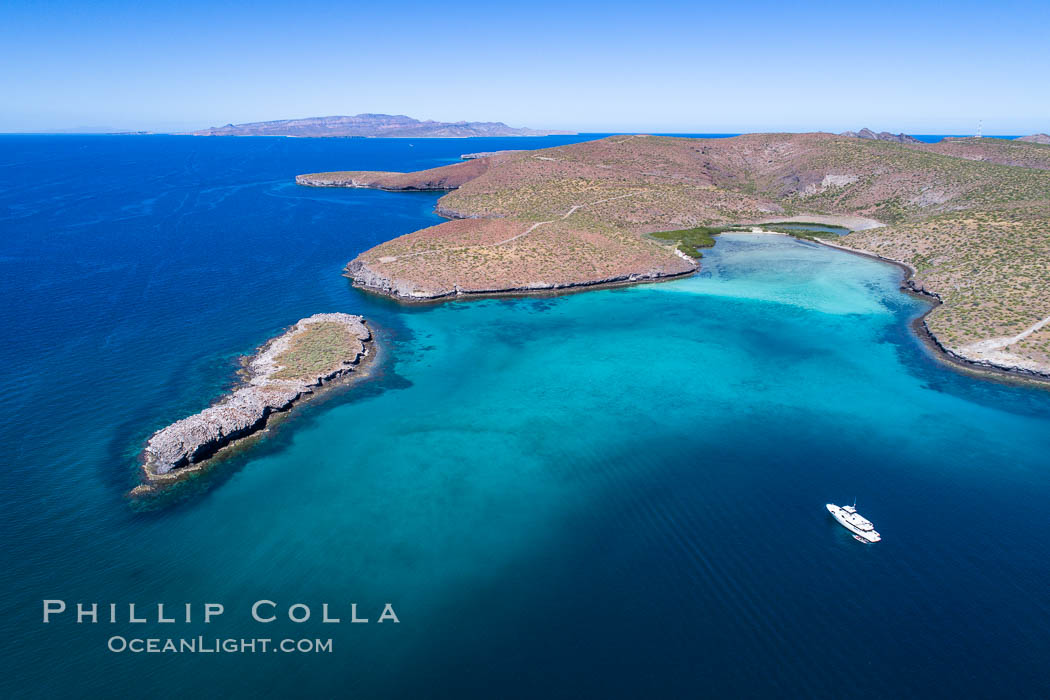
1043	139
974	232
372	126
1019	152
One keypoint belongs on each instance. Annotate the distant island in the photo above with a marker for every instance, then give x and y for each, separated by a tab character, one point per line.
967	219
372	126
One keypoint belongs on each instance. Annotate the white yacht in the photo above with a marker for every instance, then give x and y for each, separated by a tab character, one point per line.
849	518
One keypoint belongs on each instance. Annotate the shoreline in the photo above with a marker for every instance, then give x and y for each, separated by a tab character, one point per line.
352	184
193	445
552	290
919	327
847	221
928	338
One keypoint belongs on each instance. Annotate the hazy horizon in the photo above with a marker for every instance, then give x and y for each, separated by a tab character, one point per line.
585	67
180	130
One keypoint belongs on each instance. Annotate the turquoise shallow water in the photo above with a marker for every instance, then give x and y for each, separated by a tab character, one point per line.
615	493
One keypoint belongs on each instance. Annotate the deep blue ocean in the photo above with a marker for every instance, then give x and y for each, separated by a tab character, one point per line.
607	494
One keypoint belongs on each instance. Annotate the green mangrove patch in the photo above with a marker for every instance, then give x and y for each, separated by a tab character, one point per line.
691	240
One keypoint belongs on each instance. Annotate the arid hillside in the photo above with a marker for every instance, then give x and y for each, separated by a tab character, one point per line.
971	217
1026	154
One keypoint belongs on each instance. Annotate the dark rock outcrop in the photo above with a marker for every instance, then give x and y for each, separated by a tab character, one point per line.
880	136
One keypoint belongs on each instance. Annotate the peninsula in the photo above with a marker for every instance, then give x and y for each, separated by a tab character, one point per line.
309	357
371	126
968	217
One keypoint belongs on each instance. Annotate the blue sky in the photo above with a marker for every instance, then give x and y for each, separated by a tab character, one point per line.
920	67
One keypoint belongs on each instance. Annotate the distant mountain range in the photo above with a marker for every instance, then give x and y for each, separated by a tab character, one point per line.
881	136
372	125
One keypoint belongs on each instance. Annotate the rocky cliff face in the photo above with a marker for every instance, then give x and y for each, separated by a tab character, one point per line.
367	278
880	136
268	390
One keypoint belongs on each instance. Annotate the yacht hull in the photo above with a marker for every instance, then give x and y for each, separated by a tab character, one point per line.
843	517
